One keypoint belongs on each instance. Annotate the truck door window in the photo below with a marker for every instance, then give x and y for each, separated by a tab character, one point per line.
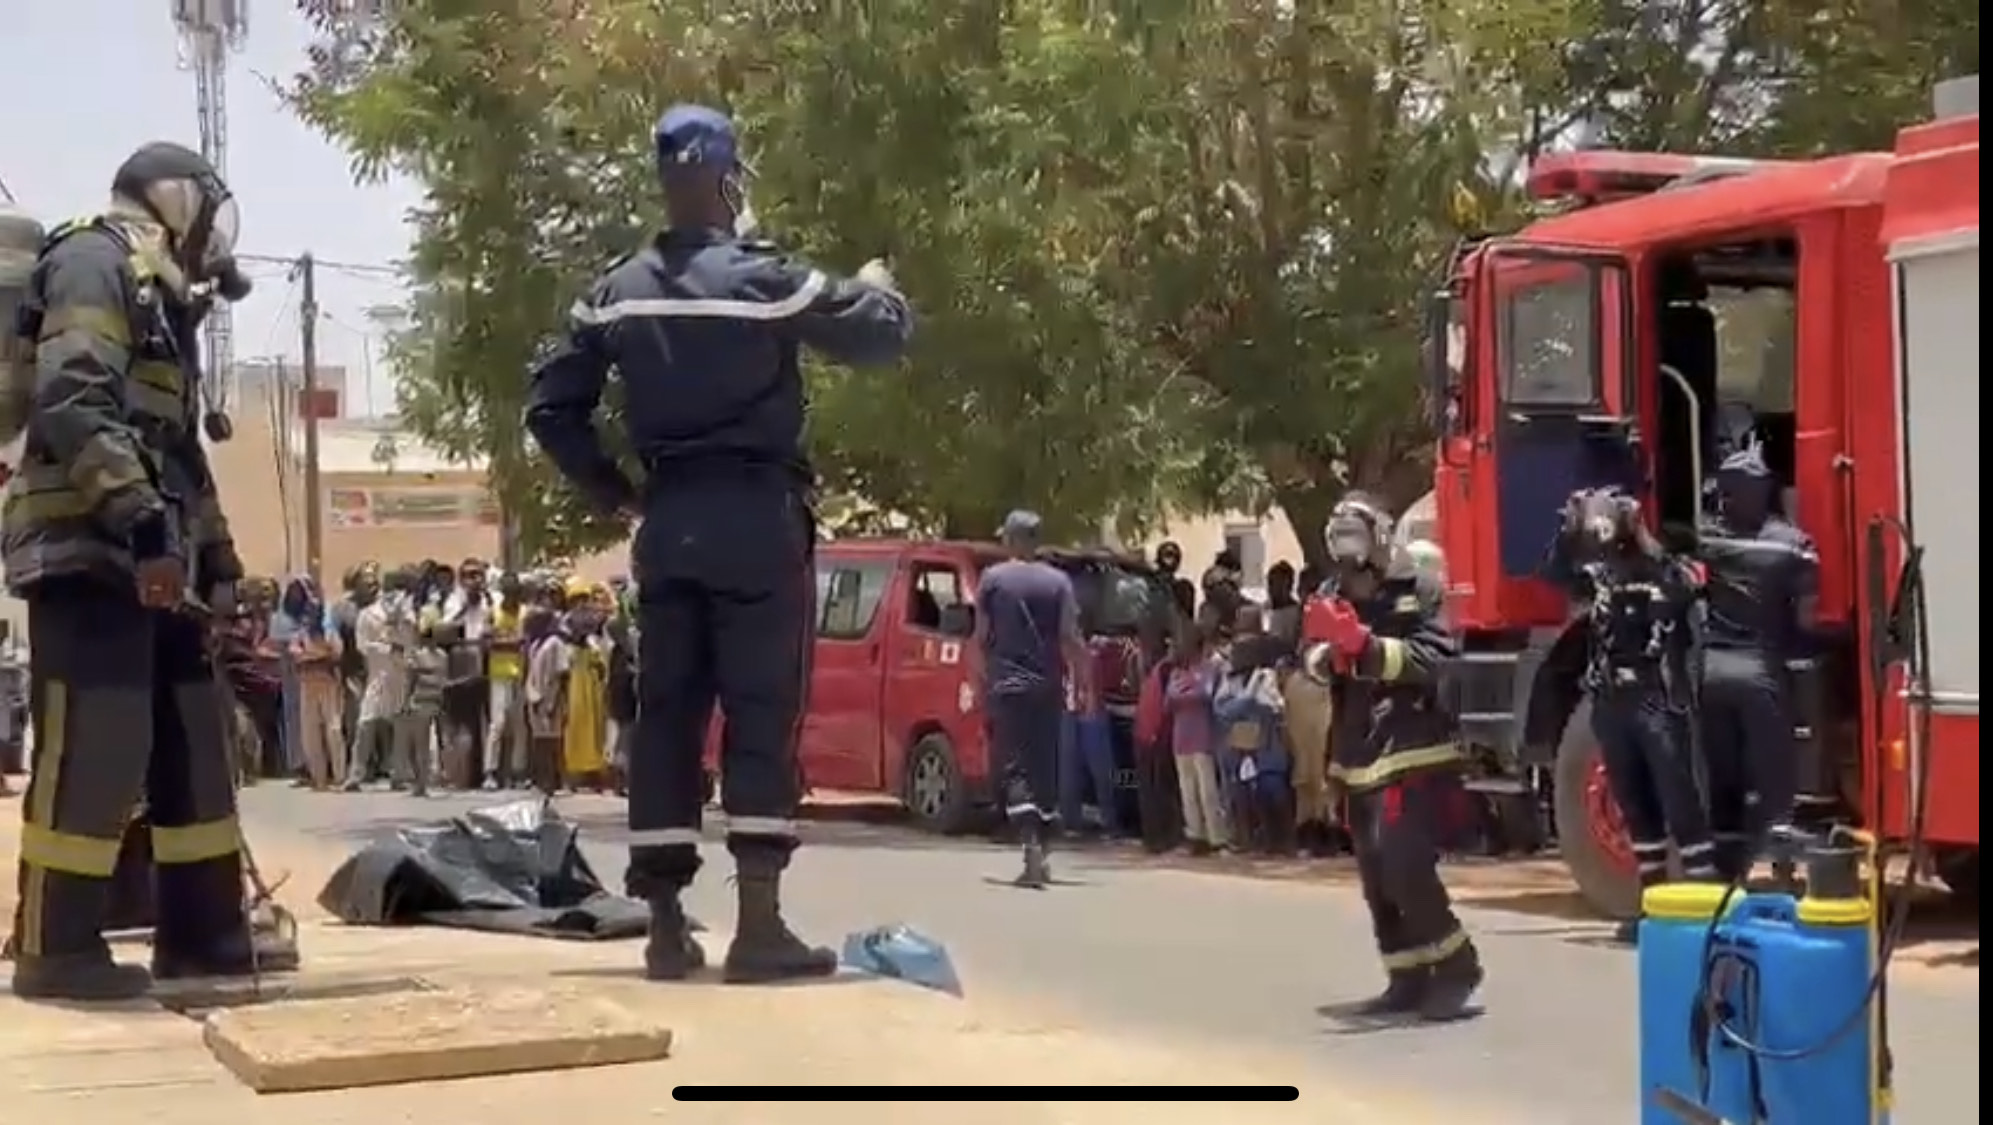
1549	335
849	596
935	588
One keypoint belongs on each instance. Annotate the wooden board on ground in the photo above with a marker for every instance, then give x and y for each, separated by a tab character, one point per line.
427	1036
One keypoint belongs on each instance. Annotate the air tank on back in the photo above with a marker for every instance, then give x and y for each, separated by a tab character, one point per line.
20	243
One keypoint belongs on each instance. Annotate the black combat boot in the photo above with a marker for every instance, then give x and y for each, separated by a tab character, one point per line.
72	961
671	953
764	951
1404	992
1451	989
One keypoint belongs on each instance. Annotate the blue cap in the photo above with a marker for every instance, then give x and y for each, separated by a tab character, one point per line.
1020	523
694	136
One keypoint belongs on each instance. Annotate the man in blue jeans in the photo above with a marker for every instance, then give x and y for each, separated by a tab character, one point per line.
1086	769
1028	634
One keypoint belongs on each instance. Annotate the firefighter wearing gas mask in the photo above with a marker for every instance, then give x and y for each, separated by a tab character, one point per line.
1374	634
1763	577
111	531
1637	602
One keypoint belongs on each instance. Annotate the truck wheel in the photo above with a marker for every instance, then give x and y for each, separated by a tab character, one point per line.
935	793
1959	869
1591	833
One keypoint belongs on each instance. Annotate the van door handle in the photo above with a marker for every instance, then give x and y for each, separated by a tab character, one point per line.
872	653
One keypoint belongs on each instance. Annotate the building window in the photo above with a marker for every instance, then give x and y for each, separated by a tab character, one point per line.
1247	543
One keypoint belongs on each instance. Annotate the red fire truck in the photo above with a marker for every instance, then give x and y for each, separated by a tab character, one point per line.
1828	308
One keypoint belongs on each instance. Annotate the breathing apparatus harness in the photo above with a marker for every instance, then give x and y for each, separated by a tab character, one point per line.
1738	1024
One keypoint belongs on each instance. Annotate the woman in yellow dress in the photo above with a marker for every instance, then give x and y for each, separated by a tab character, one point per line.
583	759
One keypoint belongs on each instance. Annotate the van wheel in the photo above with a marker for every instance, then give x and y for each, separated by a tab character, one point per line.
935	794
1591	832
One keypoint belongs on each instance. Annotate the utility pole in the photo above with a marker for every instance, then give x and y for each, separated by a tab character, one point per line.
306	274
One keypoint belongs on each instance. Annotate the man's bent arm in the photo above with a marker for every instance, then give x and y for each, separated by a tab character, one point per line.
853	323
566	388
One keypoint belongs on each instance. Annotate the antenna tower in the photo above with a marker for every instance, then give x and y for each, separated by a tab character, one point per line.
208	31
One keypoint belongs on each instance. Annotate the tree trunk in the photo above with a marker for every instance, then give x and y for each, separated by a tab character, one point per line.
1307	509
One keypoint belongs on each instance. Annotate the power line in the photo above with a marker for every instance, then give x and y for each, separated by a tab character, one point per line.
360	268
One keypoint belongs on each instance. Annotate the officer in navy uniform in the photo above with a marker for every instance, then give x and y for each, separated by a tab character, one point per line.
1374	634
703	326
1762	575
1637	603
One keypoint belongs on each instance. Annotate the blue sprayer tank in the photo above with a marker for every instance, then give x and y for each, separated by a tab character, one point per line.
1790	971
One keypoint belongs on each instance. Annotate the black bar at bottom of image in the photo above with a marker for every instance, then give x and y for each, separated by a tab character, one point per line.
1176	1094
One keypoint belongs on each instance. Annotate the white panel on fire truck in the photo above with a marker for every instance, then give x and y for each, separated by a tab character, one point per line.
1941	426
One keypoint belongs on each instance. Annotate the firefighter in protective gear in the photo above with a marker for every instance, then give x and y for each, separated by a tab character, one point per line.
704	327
111	528
1637	604
1374	633
1762	578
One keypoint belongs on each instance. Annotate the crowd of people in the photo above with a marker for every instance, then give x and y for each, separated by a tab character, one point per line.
429	676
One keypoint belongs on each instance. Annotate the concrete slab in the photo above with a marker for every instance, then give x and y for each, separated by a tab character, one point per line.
427	1036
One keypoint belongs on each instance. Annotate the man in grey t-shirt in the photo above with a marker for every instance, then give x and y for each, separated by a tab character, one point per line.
1028	635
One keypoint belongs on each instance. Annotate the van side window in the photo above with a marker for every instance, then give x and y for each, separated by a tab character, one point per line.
935	588
848	597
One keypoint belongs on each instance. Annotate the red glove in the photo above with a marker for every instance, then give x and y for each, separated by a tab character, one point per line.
1317	620
1345	631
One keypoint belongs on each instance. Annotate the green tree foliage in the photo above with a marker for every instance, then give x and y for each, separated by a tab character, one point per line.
1165	254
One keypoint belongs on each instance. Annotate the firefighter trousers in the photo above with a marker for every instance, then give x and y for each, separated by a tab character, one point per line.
125	703
1748	740
1395	829
1650	768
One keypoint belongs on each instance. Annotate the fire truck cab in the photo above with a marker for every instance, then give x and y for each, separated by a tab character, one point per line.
1676	306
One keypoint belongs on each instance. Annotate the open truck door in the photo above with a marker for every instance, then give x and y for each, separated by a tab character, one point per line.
1564	414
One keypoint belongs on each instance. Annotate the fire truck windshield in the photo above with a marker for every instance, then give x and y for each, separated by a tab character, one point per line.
1548	334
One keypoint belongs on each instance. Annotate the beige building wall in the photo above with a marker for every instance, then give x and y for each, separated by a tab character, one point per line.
412	506
1261	541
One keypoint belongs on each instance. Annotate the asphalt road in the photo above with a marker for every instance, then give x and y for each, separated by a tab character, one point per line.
1243	961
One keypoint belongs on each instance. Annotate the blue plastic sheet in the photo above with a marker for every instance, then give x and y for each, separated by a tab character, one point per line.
902	953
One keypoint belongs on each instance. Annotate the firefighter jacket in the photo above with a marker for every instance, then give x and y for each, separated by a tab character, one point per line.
1388	720
703	328
113	446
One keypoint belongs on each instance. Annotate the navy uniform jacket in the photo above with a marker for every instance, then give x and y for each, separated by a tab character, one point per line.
1759	585
704	330
1388	720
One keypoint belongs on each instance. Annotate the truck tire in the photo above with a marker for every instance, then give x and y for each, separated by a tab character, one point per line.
1591	834
935	792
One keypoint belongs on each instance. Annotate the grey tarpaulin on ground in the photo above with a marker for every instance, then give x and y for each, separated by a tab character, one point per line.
512	868
902	953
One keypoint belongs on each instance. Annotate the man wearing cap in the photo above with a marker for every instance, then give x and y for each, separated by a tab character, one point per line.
1762	579
1028	637
703	326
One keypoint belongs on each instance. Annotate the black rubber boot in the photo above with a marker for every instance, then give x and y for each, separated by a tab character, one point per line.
78	976
764	950
671	953
204	927
1403	992
1450	992
72	961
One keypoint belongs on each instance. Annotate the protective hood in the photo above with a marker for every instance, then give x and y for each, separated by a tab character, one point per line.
180	191
1745	486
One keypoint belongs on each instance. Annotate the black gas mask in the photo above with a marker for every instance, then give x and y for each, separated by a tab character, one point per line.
1602	520
185	195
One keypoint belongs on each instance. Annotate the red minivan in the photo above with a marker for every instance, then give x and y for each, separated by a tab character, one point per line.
892	710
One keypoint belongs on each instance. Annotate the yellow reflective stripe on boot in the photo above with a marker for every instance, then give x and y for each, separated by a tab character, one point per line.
196	843
68	853
1425	956
1394	765
51	736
